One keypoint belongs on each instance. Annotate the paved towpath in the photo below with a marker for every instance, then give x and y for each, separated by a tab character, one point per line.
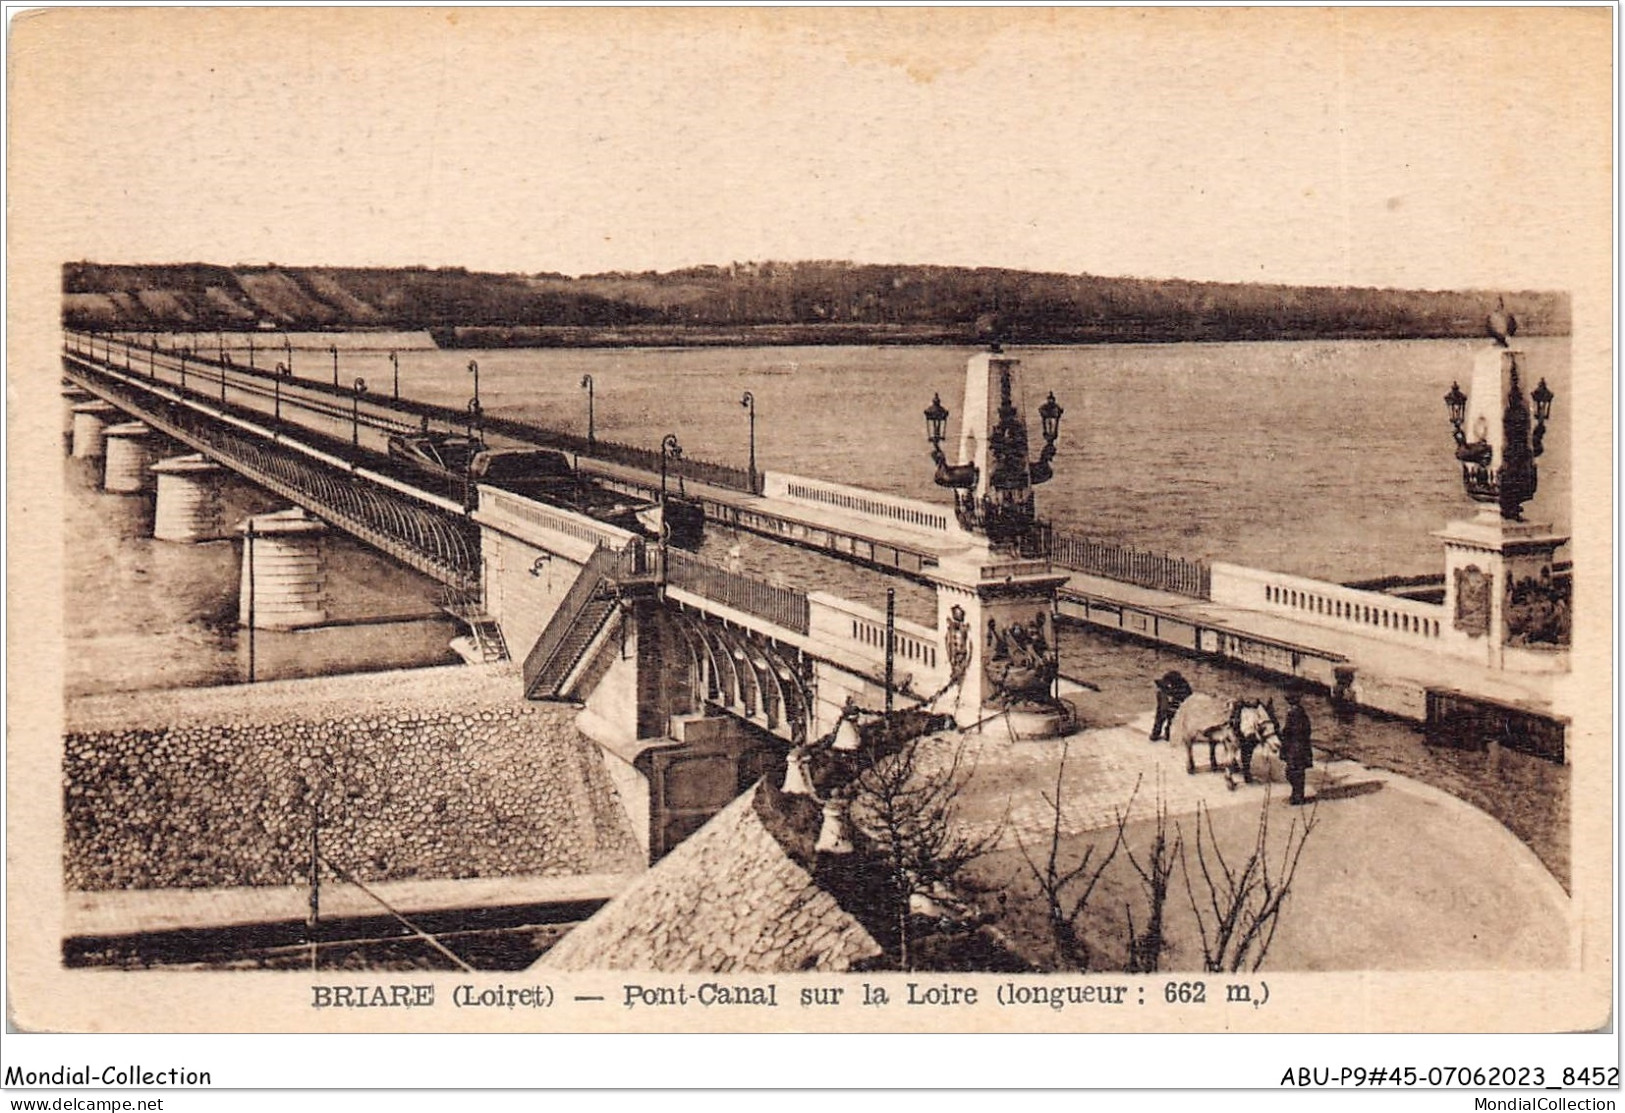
1396	875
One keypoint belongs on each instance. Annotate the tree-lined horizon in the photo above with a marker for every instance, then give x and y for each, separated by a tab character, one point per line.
819	301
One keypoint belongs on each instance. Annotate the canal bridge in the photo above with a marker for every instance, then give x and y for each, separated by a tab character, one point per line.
698	677
694	675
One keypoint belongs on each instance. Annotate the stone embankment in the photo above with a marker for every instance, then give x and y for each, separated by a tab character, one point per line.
441	773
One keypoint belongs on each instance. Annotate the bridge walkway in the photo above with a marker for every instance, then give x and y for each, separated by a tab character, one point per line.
1180	620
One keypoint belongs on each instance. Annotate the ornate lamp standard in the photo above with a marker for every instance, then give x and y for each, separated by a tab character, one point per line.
334	348
359	388
474	369
152	359
251	351
1005	511
287	346
1512	480
586	384
395	364
220	346
749	402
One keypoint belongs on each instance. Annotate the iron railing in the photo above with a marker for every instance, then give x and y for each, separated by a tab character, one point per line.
438	543
582	594
1130	565
782	606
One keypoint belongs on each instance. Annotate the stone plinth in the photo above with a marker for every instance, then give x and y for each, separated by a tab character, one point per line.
283	577
995	614
1500	591
129	451
90	422
188	505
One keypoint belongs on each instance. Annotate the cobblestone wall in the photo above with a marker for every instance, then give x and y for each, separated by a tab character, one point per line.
443	783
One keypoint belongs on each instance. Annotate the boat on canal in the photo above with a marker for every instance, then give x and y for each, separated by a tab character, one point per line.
454	462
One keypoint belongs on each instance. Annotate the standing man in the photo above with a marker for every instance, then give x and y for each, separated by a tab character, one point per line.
1172	690
1296	752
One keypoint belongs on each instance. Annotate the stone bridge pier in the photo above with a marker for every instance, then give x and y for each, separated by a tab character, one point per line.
90	422
188	501
130	448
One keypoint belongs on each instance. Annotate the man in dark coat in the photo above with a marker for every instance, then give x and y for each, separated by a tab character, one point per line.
1172	690
1296	752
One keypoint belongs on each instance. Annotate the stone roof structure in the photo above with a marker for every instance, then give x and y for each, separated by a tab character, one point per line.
729	898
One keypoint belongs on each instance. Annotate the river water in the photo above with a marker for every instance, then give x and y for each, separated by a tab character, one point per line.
1325	459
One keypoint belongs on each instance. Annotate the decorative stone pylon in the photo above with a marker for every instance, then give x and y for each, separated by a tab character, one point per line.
996	599
90	422
188	503
283	571
1501	592
129	451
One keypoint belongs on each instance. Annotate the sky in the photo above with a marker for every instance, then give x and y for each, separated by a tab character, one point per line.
1438	148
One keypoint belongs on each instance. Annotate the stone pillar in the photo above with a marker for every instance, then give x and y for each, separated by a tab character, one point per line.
1504	605
283	575
90	420
995	614
188	506
129	451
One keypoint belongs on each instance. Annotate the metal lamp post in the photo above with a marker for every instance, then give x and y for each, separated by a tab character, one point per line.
287	346
334	348
152	359
586	382
748	400
251	351
395	365
220	346
468	466
359	389
669	449
474	369
183	369
282	372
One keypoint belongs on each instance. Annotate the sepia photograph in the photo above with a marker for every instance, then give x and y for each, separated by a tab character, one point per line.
911	520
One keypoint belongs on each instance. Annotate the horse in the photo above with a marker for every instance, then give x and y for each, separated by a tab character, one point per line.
1240	726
